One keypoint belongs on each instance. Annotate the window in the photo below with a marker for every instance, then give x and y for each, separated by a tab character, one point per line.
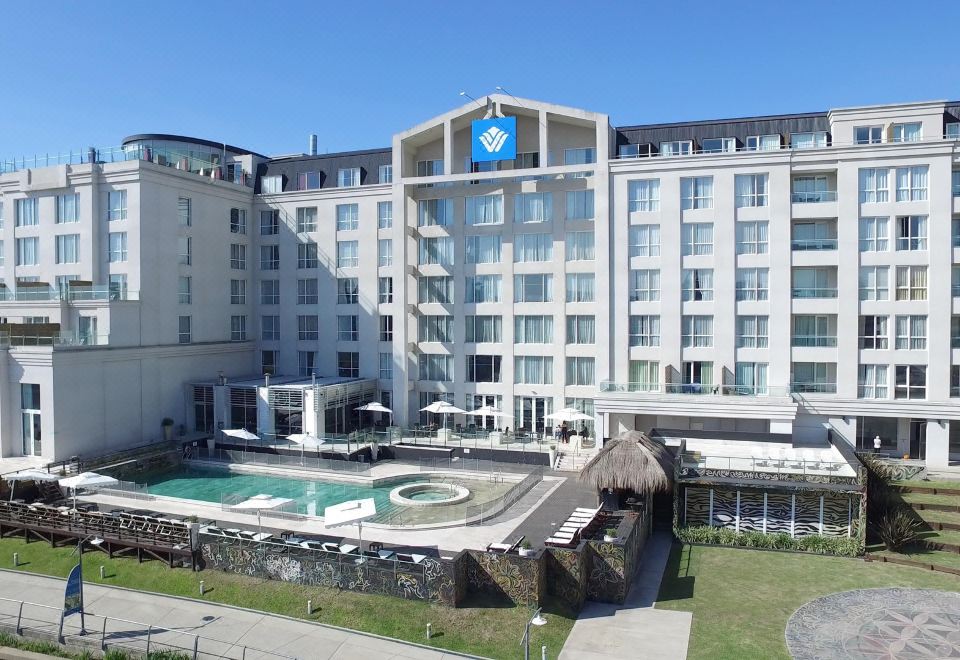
814	330
438	251
752	331
347	254
307	292
952	131
483	368
68	208
868	134
485	249
306	362
812	140
751	378
872	381
268	365
579	205
874	283
532	207
238	221
348	177
184	289
583	156
270	328
955	332
752	283
956	183
817	377
955	281
269	222
238	256
676	148
270	292
269	257
436	367
752	237
912	132
697	283
484	329
532	247
483	288
580	287
763	142
696	192
385	174
68	249
533	370
429	167
814	282
28	212
118	286
384	215
814	235
308	181
386	328
874	234
696	238
911	232
644	330
696	373
184	330
484	210
1	253
644	241
580	371
434	212
534	287
385	252
271	184
118	246
185	211
954	389
911	282
435	289
117	205
238	292
386	366
751	190
644	376
696	331
911	382
718	145
347	328
912	183
580	246
238	328
437	328
644	195
645	285
532	329
306	219
581	329
873	332
526	160
812	190
384	290
348	217
911	333
348	290
348	365
873	186
308	328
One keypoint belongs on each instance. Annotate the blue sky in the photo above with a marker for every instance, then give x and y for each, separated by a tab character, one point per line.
265	74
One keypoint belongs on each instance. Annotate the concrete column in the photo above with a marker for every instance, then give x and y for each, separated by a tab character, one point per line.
938	443
448	147
221	407
903	436
544	140
264	418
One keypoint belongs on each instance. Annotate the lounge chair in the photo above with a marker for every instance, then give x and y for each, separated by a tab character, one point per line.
349	549
327	547
559	542
505	547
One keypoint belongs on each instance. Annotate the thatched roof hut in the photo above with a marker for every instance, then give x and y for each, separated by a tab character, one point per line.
632	462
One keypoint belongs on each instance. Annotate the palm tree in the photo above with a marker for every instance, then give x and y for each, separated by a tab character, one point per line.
630	463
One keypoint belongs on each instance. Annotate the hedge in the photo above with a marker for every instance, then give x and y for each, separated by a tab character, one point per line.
821	545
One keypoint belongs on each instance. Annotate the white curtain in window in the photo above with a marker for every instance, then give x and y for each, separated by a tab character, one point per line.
580	371
482	249
644	375
581	329
580	287
532	247
484	210
644	240
533	207
533	370
483	288
532	288
580	246
533	329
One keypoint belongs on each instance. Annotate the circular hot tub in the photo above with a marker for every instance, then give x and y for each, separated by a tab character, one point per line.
427	493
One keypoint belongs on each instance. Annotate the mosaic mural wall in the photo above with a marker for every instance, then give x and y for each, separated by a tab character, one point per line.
611	566
566	577
518	579
799	511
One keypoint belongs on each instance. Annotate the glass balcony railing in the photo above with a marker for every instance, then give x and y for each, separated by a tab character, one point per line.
63	338
694	388
813	340
813	388
814	197
800	244
814	292
73	294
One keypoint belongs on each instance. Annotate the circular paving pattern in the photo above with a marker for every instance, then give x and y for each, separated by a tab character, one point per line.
875	624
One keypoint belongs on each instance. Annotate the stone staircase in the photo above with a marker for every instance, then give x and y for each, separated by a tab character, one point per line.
568	461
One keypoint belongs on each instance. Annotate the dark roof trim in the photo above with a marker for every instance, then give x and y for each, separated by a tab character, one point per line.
339	154
193	140
732	120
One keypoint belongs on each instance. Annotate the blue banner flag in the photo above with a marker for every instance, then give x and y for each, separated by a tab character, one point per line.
73	593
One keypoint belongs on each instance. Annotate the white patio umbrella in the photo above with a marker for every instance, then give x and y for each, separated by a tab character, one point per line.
349	513
306	440
569	415
488	411
443	408
28	475
260	503
86	480
375	406
241	434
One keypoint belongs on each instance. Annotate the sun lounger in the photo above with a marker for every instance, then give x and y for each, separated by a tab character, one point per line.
348	549
385	554
559	542
328	547
505	547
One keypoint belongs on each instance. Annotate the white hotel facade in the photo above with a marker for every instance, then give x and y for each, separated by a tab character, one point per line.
795	274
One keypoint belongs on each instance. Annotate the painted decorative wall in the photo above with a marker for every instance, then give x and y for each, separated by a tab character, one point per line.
519	579
612	566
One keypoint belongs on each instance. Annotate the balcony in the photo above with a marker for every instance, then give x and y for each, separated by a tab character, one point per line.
814	197
813	388
57	339
695	389
814	292
818	341
801	244
71	294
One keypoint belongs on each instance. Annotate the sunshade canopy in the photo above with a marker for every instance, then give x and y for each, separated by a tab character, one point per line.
306	439
349	513
262	502
88	480
569	415
443	408
31	475
374	406
240	434
488	411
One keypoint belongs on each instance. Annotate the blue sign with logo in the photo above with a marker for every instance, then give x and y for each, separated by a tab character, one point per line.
73	593
494	139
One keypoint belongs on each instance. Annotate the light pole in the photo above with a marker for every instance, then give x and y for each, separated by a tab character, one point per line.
94	540
535	620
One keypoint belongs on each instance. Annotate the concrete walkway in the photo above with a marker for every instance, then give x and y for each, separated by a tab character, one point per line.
634	630
224	630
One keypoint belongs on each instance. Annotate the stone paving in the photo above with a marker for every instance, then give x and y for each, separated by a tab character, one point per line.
874	624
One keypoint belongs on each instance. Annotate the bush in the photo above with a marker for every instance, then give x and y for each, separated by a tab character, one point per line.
897	528
823	545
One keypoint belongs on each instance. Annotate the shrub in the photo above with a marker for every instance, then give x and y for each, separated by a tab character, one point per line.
824	545
897	528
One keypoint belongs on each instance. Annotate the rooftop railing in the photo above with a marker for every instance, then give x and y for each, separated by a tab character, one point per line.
784	462
65	338
70	294
695	389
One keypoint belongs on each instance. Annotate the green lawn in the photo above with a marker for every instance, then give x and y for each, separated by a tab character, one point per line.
485	628
927	498
922	483
741	599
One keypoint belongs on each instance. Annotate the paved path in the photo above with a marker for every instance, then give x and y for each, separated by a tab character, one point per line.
543	520
634	630
224	630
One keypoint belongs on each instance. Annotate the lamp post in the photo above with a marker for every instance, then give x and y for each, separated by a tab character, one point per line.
535	620
94	540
